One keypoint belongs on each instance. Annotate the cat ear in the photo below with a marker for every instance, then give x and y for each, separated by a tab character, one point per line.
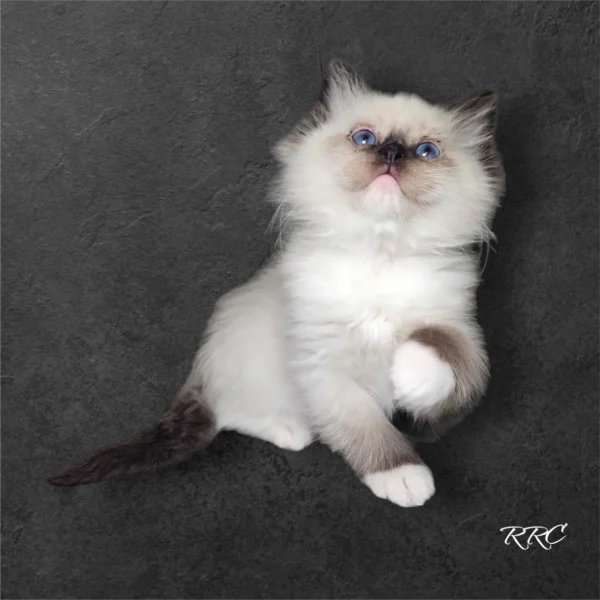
341	84
475	117
477	114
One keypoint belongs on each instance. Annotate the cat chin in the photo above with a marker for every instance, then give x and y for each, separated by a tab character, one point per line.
384	198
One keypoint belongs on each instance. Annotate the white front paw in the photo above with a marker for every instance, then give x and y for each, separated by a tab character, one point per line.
408	485
420	378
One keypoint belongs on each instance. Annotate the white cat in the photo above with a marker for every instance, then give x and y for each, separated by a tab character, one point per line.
369	305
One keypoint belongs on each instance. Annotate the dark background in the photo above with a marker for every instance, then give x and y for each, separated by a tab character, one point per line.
135	155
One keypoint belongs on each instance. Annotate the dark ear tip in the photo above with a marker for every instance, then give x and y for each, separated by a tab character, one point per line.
336	64
340	66
490	96
484	97
486	100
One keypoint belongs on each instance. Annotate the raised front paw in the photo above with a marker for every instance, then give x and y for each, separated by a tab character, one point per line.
408	485
420	378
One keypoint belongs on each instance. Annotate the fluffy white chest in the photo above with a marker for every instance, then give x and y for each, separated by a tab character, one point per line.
378	296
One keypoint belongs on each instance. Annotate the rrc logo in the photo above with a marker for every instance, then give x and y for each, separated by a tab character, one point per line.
525	537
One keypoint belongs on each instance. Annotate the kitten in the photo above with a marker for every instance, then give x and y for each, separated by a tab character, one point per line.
368	307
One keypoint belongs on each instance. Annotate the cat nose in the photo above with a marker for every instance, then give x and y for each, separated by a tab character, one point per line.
392	152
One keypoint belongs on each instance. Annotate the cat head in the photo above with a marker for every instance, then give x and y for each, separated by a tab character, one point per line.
368	159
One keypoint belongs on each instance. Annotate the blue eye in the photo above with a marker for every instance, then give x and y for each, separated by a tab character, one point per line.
364	137
427	150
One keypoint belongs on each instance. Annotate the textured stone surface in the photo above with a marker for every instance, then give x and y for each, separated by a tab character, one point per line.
135	160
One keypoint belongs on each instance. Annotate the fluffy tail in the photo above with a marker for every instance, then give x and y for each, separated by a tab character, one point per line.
186	427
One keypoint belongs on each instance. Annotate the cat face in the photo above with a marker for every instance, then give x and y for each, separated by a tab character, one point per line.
374	157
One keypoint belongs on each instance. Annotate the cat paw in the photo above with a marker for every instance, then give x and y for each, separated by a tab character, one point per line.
288	435
420	378
408	485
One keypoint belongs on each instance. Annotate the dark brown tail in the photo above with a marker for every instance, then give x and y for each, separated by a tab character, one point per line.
188	426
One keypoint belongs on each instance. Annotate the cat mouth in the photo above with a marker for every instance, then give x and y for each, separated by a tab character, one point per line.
384	181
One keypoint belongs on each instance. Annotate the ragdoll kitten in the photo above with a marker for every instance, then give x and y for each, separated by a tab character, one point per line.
368	307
